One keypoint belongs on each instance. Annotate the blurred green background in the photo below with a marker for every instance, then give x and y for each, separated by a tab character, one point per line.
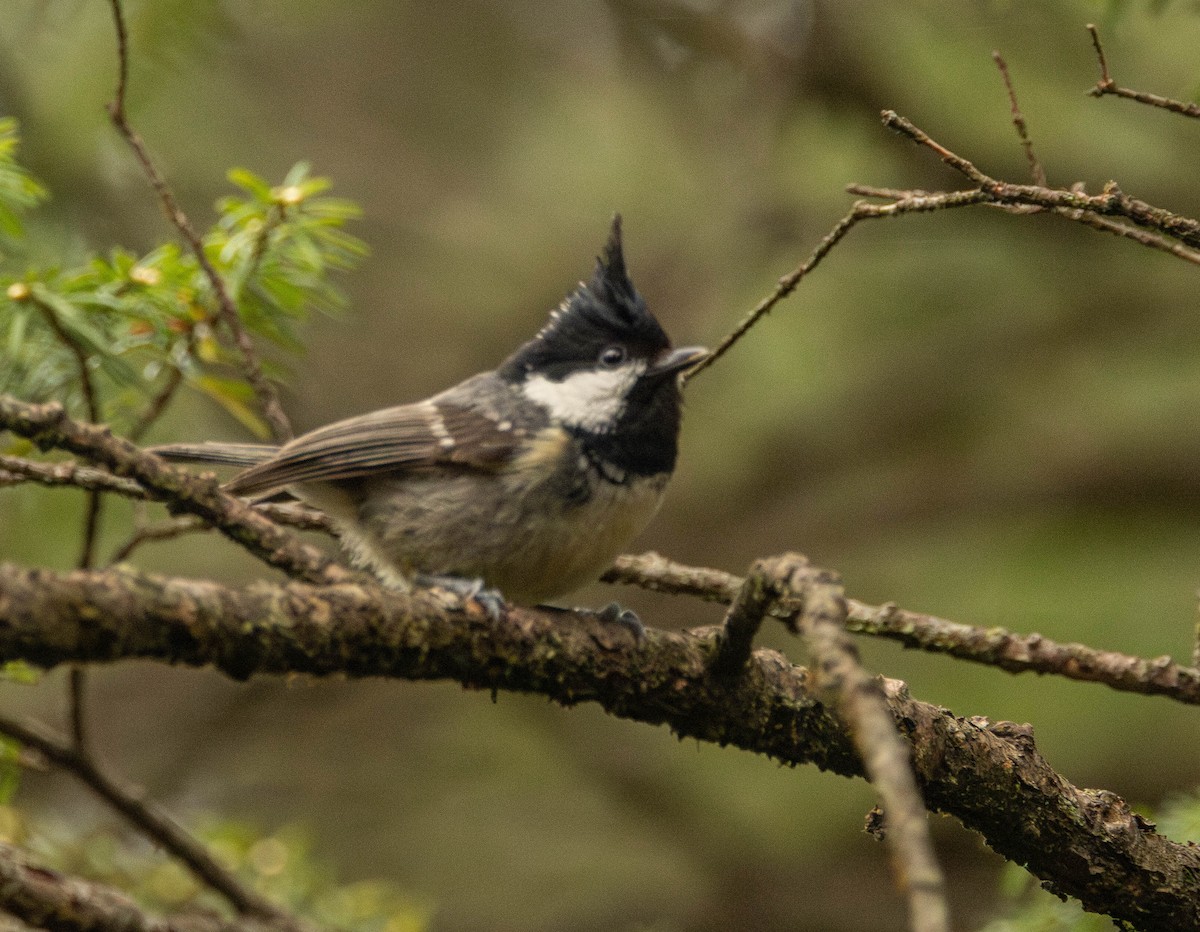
987	417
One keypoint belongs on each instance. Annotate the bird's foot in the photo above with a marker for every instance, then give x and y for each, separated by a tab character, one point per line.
490	600
612	613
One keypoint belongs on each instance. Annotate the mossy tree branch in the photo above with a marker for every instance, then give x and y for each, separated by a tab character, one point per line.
707	684
1082	843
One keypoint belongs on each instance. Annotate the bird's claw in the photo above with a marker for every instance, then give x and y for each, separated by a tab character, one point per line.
490	600
612	613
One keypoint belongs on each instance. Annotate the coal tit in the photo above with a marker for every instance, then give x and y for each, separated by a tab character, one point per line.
530	478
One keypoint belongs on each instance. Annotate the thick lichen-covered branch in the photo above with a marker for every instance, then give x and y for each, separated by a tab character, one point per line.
1083	843
182	491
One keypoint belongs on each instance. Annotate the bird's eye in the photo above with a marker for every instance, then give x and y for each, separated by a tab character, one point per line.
612	356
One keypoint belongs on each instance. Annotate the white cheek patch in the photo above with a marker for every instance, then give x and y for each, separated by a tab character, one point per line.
592	399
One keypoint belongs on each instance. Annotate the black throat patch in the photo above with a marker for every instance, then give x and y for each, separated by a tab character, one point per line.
645	440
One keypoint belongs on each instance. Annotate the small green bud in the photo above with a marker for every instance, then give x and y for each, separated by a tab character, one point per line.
290	196
145	275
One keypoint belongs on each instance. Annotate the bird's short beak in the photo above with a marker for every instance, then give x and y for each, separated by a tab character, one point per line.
676	360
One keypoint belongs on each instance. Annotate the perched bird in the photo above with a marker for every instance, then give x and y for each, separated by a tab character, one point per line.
528	479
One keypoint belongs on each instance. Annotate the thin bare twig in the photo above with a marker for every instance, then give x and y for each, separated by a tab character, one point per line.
91	522
86	386
156	407
77	709
147	817
1093	210
655	572
887	194
16	469
70	474
892	120
1106	85
1144	237
1035	167
1112	201
860	211
268	397
785	287
295	516
992	646
754	598
170	529
77	678
811	602
1104	76
859	699
275	218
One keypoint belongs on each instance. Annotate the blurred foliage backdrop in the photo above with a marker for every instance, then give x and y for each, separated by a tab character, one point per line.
987	417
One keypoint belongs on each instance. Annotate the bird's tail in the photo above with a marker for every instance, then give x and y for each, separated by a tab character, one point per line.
217	454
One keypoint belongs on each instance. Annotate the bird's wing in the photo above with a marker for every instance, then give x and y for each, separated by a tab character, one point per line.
414	436
217	453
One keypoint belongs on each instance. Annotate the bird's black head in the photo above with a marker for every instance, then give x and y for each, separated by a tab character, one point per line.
605	313
604	368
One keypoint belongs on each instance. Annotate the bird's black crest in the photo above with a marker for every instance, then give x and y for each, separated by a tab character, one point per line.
606	310
611	278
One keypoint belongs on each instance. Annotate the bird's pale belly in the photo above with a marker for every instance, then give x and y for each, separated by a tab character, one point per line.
519	533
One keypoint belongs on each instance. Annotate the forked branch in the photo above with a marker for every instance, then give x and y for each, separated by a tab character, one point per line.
1106	85
1082	843
268	397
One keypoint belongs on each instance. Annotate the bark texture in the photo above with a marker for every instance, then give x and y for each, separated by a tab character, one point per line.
1083	843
